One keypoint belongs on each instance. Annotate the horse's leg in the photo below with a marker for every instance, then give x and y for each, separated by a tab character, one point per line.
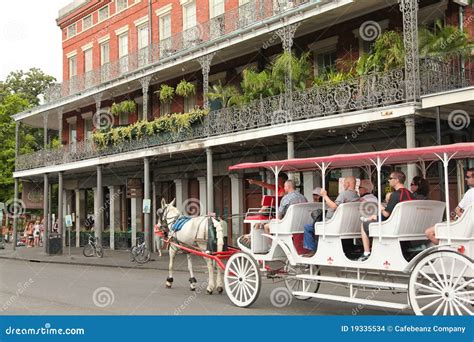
169	280
192	280
210	269
219	286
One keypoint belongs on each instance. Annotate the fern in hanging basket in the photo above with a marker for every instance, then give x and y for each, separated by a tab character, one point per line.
166	93
185	89
124	107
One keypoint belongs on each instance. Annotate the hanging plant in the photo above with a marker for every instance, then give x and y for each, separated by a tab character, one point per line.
124	107
166	93
185	89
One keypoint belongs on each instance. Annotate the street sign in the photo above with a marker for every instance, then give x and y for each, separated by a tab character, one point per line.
146	206
68	219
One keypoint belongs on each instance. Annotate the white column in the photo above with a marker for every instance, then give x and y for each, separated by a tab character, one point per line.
203	194
154	206
65	212
236	183
210	181
308	184
181	193
80	213
136	215
290	145
114	208
411	143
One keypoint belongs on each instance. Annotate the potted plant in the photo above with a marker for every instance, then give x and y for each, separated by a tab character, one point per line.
185	89
124	107
166	93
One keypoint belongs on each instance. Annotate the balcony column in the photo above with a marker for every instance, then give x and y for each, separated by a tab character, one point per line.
286	34
237	193
45	130
60	120
181	193
210	182
114	208
96	119
145	82
45	212
98	207
409	9
16	189
60	205
203	195
136	217
80	213
205	62
147	196
154	208
290	146
411	143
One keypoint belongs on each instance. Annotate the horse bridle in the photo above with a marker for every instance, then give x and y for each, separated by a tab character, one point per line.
165	225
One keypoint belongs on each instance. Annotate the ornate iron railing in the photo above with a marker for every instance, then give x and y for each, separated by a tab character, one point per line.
370	91
217	27
447	71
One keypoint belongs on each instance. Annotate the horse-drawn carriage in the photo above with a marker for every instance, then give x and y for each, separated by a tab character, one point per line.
437	280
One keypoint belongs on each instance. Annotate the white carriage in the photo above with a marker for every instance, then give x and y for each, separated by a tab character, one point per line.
437	280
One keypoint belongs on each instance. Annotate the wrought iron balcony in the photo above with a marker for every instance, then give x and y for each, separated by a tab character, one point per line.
217	27
369	91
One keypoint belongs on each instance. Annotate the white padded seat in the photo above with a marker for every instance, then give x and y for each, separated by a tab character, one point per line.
460	230
345	221
295	218
409	220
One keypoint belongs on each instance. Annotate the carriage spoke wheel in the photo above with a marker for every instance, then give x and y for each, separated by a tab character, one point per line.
242	279
294	284
441	283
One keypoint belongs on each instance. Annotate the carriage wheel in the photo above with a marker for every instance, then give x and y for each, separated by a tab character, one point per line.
441	283
242	279
294	284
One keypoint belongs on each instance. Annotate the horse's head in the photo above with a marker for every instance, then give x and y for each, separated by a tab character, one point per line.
167	215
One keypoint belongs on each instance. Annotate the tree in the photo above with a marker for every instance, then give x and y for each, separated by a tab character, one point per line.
31	84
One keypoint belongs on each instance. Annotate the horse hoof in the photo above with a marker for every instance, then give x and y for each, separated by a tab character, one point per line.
209	292
192	287
219	289
168	285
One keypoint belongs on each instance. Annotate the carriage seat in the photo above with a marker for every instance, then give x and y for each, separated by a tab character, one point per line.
409	220
295	218
462	229
345	222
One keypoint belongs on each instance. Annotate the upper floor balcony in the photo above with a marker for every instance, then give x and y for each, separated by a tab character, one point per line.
219	27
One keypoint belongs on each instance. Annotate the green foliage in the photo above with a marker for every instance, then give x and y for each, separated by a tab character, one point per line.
31	84
124	107
166	93
443	39
227	95
166	123
300	71
256	84
185	89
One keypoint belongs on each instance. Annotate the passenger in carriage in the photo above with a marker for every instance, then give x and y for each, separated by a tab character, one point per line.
365	191
348	195
420	188
292	197
466	201
400	194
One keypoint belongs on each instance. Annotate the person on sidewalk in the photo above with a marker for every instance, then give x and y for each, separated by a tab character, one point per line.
36	233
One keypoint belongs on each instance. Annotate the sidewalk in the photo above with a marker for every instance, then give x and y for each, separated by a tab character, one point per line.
112	258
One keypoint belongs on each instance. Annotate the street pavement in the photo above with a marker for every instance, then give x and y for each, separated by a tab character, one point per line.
32	283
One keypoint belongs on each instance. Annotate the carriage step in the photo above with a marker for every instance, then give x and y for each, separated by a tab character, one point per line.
362	301
371	283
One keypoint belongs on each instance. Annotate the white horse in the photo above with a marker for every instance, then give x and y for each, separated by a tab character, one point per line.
193	233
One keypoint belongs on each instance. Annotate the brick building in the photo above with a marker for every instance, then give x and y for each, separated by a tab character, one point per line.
126	50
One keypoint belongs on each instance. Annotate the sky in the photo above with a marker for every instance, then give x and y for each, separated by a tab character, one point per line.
29	36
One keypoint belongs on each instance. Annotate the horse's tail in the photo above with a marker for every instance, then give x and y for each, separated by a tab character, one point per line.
219	234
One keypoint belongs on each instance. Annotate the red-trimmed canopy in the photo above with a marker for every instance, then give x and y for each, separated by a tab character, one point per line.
395	156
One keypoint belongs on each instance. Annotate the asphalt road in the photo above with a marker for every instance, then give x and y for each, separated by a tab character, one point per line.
32	288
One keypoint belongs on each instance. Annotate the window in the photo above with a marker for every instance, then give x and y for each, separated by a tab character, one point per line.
120	5
189	103
88	60
88	128
72	133
217	8
189	12
123	52
72	66
165	108
87	22
165	26
325	62
142	32
103	13
123	119
104	53
71	30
